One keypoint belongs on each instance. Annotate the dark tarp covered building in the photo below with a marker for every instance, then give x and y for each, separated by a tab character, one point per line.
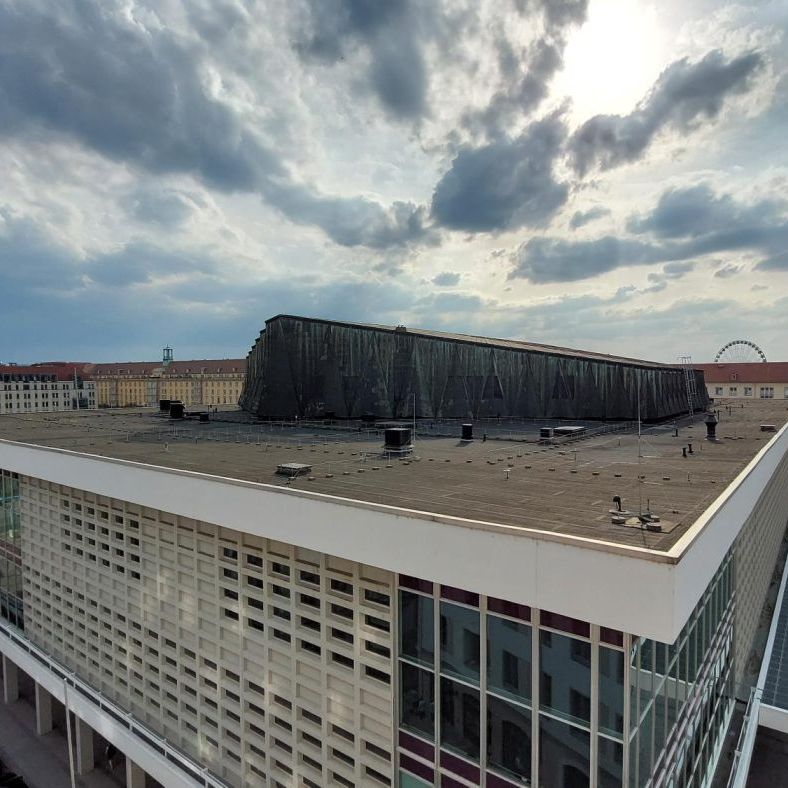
313	368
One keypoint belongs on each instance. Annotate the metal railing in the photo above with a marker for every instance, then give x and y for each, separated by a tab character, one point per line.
196	771
745	742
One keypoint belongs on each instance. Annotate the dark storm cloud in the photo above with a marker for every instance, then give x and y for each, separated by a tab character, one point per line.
446	279
504	185
582	218
392	32
684	95
722	225
86	72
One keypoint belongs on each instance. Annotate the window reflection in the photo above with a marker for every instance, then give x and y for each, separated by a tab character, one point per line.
509	739
509	658
417	630
417	700
565	676
460	722
611	760
459	641
611	690
564	755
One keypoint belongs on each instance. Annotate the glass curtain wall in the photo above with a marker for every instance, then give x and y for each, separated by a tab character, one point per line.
494	691
10	550
681	695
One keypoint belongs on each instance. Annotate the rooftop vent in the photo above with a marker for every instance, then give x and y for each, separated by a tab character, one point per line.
398	439
293	469
768	428
569	430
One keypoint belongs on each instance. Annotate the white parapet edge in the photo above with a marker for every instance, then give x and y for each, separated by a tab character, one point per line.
645	592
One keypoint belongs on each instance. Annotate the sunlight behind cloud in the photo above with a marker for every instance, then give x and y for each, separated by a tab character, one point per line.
613	59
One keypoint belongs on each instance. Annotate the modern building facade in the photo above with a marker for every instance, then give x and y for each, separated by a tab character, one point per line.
307	368
143	383
43	388
746	380
465	615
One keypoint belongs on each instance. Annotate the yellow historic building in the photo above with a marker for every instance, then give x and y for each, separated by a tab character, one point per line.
144	383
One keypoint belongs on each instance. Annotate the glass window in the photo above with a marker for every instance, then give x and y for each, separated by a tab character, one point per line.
417	629
565	676
509	658
611	760
508	738
459	641
417	700
409	781
611	690
460	722
564	755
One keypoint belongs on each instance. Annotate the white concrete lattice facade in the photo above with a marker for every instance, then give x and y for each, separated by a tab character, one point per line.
258	659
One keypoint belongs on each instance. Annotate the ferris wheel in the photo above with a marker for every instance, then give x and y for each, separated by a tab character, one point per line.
740	351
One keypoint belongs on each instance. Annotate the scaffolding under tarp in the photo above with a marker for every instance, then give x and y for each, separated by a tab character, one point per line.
310	368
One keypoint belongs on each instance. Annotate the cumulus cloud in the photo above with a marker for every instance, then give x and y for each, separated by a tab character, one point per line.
694	211
393	33
685	95
582	218
504	185
721	224
446	279
135	93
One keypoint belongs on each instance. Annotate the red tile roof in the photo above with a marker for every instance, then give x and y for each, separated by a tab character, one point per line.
62	370
747	372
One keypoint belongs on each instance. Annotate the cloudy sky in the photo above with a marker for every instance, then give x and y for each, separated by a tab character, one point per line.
608	174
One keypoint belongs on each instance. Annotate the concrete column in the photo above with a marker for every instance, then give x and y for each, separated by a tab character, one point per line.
86	760
43	710
10	681
135	775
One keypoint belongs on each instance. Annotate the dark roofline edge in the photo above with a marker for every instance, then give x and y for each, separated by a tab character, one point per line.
471	339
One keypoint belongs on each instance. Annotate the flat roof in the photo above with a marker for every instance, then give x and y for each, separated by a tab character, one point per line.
510	479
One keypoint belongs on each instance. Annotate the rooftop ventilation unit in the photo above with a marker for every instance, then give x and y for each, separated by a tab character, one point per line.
164	405
398	439
177	410
569	431
293	469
